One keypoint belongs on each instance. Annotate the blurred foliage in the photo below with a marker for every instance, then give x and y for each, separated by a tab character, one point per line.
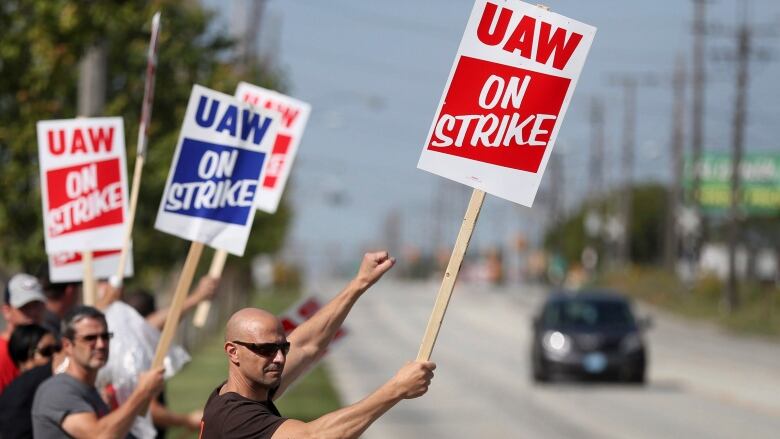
40	47
759	312
648	221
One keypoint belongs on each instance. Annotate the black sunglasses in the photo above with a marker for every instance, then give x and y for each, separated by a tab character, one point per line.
91	338
265	349
48	351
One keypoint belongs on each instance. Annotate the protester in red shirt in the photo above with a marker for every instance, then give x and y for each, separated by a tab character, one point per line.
23	305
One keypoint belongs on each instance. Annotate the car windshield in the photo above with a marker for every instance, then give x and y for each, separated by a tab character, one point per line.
587	313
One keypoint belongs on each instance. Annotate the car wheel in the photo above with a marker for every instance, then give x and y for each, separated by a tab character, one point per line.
636	376
540	375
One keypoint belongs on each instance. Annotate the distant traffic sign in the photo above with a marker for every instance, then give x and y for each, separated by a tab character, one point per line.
759	181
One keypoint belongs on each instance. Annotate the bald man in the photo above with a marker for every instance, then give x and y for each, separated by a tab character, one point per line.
263	362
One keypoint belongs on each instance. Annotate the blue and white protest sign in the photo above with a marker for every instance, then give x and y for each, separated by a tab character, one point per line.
220	158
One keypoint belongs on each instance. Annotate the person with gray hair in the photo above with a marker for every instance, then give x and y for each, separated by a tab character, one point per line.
68	404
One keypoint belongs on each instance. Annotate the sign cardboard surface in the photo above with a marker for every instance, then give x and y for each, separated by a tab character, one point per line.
83	183
505	99
220	158
67	267
293	115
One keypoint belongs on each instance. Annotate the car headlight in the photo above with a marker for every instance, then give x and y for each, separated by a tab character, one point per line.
631	342
556	342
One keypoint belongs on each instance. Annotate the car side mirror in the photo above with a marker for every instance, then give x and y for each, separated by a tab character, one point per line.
645	323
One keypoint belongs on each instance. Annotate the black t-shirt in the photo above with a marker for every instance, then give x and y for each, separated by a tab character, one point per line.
231	416
17	400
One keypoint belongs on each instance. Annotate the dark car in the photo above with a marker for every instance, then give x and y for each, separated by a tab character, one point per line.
590	334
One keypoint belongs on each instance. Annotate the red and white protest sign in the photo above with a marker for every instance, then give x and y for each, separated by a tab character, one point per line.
68	267
505	99
83	183
302	311
293	117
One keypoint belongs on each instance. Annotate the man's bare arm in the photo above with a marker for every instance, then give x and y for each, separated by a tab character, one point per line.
350	422
116	424
311	338
205	290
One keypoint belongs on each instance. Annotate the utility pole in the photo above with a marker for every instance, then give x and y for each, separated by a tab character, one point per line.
596	165
556	201
699	80
92	81
630	84
731	298
627	159
676	145
248	18
745	51
556	187
595	214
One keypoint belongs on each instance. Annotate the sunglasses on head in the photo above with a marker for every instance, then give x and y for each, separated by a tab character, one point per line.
48	351
265	349
91	338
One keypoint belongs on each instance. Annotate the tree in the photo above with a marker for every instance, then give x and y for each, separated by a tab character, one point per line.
40	46
648	222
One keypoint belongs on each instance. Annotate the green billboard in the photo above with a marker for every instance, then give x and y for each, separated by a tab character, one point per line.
759	181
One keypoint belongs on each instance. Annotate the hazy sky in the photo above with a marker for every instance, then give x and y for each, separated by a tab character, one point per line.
374	73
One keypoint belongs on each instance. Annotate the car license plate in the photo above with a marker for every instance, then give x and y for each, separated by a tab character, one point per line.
594	362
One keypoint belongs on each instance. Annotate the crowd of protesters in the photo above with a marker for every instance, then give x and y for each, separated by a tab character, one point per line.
52	349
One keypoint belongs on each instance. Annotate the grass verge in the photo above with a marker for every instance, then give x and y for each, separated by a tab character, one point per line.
758	313
311	397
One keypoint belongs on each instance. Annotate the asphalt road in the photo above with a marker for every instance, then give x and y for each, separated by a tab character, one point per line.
702	383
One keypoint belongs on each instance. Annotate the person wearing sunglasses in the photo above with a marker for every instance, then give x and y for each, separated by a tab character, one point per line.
36	352
68	404
31	345
263	361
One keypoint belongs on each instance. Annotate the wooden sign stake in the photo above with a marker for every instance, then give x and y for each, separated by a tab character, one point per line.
215	271
143	141
174	312
88	283
139	165
451	275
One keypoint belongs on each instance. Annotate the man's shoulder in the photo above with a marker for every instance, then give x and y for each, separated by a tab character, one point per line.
60	380
60	387
233	400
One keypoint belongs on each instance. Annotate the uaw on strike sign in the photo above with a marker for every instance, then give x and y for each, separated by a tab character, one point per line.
507	93
293	115
83	183
219	161
68	266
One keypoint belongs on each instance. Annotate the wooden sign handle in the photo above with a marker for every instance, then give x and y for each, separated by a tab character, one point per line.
143	140
174	312
139	165
88	283
215	271
453	267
